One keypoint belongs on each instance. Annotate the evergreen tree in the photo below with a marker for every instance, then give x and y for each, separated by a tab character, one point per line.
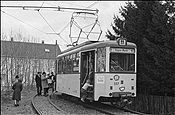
151	25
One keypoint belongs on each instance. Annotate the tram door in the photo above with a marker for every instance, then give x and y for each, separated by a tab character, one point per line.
87	71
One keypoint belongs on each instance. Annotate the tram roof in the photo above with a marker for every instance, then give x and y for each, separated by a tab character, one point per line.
94	44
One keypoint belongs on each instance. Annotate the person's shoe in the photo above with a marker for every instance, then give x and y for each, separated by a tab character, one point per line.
17	104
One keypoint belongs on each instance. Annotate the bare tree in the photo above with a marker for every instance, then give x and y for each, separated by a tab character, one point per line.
11	63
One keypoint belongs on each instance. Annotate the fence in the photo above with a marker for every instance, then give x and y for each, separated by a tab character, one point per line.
154	104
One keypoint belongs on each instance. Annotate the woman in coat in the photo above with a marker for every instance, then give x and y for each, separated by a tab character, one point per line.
44	82
17	87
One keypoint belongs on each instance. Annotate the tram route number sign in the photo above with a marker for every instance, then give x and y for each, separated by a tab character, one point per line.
100	79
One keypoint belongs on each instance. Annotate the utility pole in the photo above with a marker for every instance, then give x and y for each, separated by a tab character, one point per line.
11	59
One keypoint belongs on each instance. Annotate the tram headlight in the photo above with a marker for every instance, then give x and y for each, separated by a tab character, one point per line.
116	77
122	88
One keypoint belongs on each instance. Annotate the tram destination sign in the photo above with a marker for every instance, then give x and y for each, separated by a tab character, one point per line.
121	50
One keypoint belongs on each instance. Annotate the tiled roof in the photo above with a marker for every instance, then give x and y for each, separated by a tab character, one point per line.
30	50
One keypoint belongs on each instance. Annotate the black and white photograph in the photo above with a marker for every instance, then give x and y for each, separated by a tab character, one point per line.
88	57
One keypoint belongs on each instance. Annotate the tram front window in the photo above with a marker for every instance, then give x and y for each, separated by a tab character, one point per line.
122	62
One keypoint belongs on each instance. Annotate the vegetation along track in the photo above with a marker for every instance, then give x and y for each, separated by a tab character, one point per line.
99	107
43	106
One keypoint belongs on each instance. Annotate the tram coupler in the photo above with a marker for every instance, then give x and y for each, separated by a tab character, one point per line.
129	101
126	99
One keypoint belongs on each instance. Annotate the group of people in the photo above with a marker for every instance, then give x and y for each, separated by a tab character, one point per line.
44	82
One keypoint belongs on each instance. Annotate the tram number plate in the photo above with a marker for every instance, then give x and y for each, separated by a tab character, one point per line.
100	79
116	83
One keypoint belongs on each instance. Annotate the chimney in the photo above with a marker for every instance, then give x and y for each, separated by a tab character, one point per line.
56	42
12	39
42	41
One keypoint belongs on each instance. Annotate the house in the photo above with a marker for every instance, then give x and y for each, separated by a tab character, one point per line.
26	59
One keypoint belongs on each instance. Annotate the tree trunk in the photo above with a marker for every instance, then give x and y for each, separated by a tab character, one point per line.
28	77
7	74
11	70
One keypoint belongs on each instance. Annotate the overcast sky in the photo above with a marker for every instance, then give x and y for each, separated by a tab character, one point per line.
50	21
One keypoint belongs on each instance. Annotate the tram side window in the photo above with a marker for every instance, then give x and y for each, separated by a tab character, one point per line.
101	59
69	64
59	66
75	63
64	64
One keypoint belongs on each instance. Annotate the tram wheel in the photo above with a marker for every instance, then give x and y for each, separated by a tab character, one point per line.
119	104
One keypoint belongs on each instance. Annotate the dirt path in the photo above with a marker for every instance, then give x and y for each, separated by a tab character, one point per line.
7	104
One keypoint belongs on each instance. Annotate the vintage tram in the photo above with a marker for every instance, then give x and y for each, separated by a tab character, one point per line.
111	66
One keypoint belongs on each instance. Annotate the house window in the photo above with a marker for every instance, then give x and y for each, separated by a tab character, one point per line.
47	50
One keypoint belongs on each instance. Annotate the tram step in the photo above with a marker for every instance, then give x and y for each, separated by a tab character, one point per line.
89	98
90	91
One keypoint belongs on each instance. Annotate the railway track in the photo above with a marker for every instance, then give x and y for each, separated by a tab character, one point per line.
111	110
43	106
102	107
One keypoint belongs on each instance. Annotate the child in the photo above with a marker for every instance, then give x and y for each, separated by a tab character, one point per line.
84	89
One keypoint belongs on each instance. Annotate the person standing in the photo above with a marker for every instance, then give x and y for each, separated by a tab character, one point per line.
17	87
53	78
44	83
49	80
38	83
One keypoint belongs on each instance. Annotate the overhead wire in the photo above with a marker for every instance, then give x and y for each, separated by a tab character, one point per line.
66	3
96	22
73	4
69	22
76	24
49	24
63	28
66	24
26	24
22	21
37	28
47	21
93	4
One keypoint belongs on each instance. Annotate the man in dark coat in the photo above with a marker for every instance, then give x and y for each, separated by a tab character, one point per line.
52	76
38	83
17	87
